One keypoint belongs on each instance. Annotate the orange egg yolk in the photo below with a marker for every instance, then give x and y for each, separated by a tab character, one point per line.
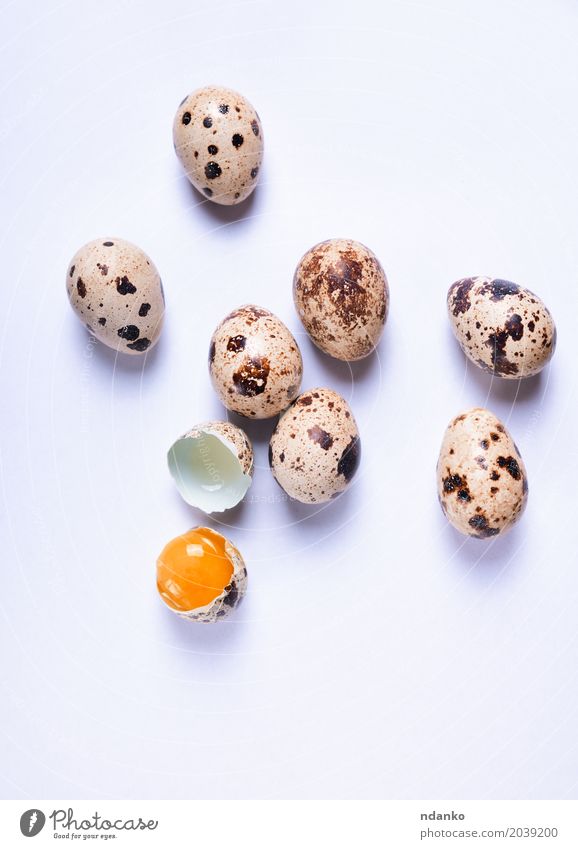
193	569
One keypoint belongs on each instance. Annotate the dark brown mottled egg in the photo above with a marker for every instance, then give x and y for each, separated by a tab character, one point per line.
342	297
502	328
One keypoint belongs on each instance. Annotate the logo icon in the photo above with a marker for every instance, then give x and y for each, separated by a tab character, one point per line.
32	822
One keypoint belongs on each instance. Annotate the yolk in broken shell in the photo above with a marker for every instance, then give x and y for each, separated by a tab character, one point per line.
193	569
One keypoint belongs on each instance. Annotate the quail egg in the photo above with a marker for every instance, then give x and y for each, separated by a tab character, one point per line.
218	138
212	465
501	327
481	478
342	297
315	449
201	576
116	291
255	363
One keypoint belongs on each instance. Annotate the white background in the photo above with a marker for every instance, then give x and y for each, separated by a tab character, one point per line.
377	653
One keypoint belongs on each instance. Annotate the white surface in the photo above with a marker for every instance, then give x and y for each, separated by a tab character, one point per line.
377	653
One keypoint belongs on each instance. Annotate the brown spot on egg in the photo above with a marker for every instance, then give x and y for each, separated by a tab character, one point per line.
349	460
251	378
321	437
511	465
458	484
496	342
498	289
460	295
124	286
236	343
481	527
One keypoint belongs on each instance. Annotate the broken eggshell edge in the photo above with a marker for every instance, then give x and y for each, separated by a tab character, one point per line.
228	599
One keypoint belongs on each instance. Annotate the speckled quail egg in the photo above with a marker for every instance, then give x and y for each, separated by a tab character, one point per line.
342	297
481	479
201	576
218	138
501	327
255	363
212	465
116	291
315	449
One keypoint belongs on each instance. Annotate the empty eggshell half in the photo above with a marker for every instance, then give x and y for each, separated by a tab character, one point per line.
212	466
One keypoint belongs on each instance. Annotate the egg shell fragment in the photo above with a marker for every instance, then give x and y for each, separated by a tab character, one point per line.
255	363
501	327
481	478
212	466
218	139
116	291
225	601
342	297
315	449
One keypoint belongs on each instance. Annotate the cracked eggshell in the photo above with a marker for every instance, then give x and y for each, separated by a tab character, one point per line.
342	297
502	328
255	363
116	291
481	478
212	465
225	601
218	138
315	449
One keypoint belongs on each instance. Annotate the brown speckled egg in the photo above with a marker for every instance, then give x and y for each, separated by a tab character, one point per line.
481	478
218	138
502	328
255	363
116	291
315	449
342	297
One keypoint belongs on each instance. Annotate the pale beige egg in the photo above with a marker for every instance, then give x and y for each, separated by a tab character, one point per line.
116	291
255	363
218	138
315	449
481	478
